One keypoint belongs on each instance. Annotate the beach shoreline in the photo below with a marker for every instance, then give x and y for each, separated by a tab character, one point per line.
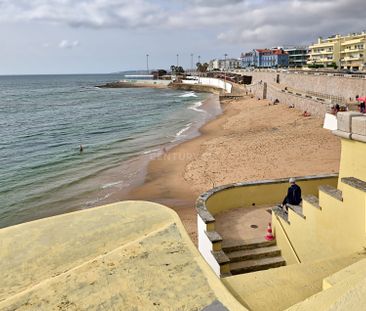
247	142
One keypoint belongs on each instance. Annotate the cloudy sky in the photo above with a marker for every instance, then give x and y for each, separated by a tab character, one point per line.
101	36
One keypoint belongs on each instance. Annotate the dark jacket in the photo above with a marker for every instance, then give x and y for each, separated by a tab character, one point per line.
293	195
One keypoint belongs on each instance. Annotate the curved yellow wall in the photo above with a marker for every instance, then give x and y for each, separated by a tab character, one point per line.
265	193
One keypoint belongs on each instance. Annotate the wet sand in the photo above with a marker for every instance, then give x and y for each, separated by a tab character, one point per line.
250	141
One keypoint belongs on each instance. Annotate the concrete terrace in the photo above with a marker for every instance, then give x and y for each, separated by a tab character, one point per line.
242	224
124	256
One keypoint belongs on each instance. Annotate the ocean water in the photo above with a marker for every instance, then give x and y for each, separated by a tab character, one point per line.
44	120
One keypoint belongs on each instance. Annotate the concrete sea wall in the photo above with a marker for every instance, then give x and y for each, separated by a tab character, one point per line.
213	82
335	85
311	104
195	87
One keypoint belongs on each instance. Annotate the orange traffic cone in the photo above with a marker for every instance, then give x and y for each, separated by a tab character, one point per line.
269	236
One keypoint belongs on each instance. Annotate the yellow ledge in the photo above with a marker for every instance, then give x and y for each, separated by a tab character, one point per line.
124	256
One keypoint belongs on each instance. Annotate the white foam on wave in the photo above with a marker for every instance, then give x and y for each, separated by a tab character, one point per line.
112	184
196	106
150	151
182	131
97	200
189	94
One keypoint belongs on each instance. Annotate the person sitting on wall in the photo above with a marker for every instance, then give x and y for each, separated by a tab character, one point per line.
293	196
336	109
362	107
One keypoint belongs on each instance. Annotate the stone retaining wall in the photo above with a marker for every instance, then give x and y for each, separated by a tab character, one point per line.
342	86
301	102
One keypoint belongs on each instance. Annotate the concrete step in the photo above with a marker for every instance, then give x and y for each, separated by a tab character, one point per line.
256	265
229	246
258	253
278	211
331	191
312	200
297	209
355	183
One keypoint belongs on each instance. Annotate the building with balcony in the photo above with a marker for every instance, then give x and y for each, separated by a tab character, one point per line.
326	52
248	59
353	52
297	56
346	52
222	64
265	58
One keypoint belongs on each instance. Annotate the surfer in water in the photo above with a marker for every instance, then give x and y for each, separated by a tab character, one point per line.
81	149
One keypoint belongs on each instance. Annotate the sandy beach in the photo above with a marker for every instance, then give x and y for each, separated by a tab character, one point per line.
251	140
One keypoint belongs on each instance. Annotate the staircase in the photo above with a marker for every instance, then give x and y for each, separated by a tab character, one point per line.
332	224
253	255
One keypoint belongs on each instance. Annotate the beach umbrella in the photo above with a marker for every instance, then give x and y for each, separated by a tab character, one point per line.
361	99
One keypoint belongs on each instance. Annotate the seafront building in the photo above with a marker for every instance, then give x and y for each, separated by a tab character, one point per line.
325	52
265	58
353	52
345	52
297	56
224	64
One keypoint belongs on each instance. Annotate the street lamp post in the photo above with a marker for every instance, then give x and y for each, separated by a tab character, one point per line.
177	60
199	61
147	63
225	70
192	61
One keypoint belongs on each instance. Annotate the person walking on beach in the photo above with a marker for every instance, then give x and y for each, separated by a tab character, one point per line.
293	196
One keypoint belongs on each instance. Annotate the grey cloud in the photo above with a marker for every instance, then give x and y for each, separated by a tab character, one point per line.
88	13
214	3
246	22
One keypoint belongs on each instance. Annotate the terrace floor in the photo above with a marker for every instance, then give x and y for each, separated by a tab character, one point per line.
243	223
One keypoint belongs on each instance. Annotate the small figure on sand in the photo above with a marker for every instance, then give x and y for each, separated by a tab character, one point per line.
306	114
81	149
293	196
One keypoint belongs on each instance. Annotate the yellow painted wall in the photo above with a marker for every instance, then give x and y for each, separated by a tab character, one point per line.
283	242
338	229
353	160
262	194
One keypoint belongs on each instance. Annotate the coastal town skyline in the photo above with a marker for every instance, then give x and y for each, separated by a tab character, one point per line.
101	36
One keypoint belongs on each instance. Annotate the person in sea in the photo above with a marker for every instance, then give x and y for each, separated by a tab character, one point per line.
293	196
